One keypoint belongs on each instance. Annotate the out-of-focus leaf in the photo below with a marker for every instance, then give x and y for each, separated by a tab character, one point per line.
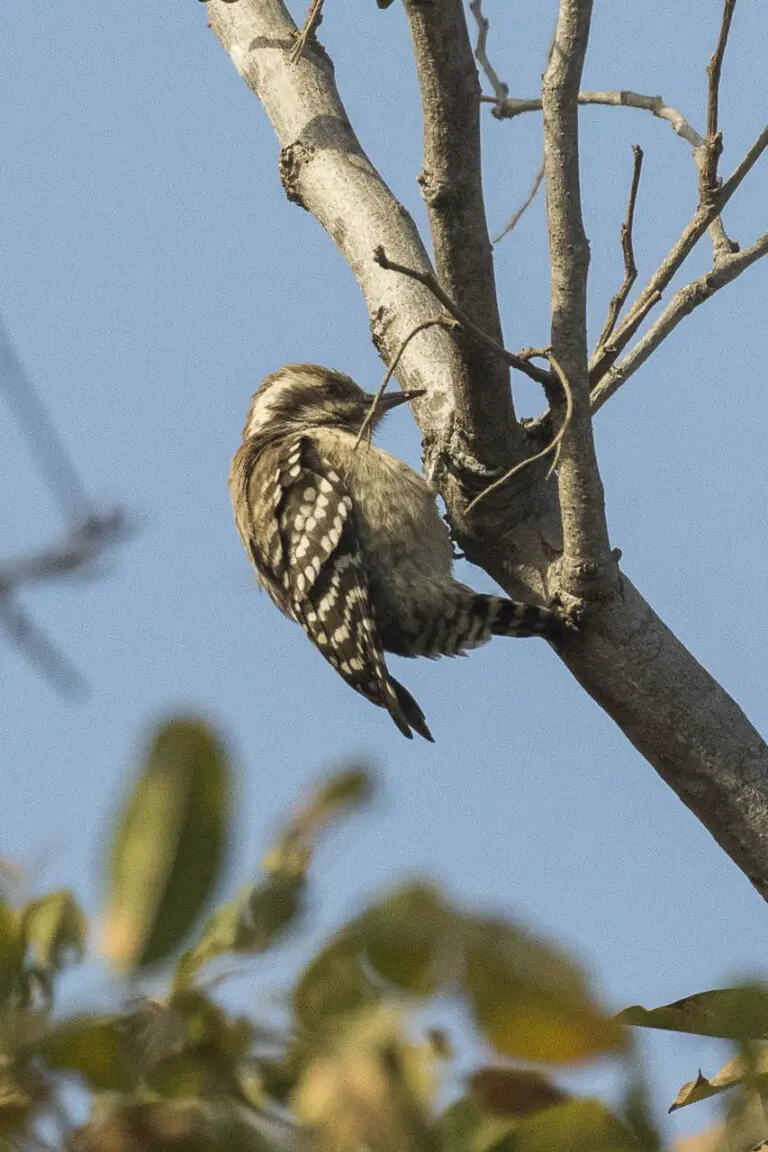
170	847
739	1071
11	951
255	922
333	798
466	1127
574	1126
332	985
731	1013
411	939
529	1000
638	1113
54	930
169	1126
22	1089
98	1048
514	1091
371	1089
191	1074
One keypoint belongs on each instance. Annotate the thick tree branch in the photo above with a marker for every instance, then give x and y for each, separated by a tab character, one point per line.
588	569
451	184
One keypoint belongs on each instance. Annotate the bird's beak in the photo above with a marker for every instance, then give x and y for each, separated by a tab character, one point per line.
392	400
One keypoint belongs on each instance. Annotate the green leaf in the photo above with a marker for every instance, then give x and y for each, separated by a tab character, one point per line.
332	985
170	846
11	951
336	796
410	938
530	1001
252	924
466	1127
730	1013
54	930
98	1048
574	1126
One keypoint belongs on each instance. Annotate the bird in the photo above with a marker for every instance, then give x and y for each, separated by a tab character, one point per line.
348	542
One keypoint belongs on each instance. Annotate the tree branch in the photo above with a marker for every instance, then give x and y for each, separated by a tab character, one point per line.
708	182
684	301
588	569
652	293
451	184
630	268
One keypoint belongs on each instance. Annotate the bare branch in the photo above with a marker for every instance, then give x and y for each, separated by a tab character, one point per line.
41	435
512	222
630	268
511	107
429	281
588	568
554	444
684	301
708	182
313	20
500	89
30	639
422	327
661	278
74	555
451	184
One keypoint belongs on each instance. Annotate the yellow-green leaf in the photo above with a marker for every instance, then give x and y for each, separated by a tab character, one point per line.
731	1013
170	846
98	1048
530	1001
466	1127
54	929
410	938
574	1126
11	950
332	985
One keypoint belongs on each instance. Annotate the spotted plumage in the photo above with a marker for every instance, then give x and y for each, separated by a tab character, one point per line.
348	542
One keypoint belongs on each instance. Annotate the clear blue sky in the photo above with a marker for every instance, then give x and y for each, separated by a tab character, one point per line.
152	272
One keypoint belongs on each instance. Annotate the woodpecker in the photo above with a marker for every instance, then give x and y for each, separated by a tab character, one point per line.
348	541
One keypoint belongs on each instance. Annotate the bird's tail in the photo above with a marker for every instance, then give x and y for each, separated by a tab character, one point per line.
406	713
511	618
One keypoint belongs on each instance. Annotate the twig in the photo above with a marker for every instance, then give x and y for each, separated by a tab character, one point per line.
708	182
41	435
692	233
313	19
554	444
501	90
438	321
512	222
75	554
509	108
30	639
630	268
429	281
684	301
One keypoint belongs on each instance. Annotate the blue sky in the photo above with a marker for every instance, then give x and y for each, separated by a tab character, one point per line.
152	272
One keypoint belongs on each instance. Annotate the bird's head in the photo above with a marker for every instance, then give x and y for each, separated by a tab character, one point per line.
308	396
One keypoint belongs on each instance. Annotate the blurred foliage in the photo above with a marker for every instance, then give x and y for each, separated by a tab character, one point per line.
353	1066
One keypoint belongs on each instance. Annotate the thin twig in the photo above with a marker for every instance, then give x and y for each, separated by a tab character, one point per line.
438	321
75	554
554	444
684	301
39	650
511	107
630	268
313	19
501	90
692	233
708	181
429	281
40	433
512	222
